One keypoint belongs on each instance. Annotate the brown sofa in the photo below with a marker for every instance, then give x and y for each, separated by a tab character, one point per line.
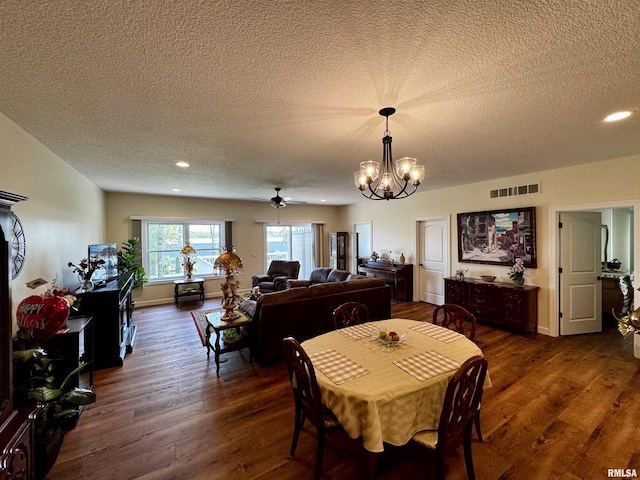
323	275
306	312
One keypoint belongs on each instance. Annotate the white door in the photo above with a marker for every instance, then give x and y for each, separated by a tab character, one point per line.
433	259
580	264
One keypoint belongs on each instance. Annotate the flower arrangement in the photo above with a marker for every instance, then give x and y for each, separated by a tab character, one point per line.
630	323
55	291
87	267
517	270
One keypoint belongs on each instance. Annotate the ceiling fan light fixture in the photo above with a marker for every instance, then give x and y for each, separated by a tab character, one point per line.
381	181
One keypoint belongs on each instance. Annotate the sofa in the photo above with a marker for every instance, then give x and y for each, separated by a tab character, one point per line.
305	312
323	275
278	273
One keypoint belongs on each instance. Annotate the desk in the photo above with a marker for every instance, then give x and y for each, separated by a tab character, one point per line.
387	404
188	291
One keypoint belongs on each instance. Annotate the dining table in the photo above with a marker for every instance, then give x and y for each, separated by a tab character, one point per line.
387	393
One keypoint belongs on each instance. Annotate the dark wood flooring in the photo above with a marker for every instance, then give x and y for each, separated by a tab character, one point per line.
560	408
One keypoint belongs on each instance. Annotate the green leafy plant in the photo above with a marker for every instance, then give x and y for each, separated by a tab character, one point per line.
34	384
130	260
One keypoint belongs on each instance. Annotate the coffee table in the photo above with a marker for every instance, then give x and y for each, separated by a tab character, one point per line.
215	322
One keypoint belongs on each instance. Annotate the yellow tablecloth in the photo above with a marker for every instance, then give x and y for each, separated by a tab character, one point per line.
387	404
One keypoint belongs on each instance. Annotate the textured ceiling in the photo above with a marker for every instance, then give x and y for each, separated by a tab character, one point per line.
258	94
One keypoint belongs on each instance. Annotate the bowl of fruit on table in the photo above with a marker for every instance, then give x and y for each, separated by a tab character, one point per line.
390	337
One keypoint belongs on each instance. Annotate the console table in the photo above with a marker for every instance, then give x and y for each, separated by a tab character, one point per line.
496	303
71	348
182	289
400	274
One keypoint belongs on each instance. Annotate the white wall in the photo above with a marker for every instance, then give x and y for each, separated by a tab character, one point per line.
64	213
394	221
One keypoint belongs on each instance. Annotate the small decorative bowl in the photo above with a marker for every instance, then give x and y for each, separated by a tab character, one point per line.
389	343
488	278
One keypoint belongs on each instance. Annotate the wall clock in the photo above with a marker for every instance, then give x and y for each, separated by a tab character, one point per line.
18	246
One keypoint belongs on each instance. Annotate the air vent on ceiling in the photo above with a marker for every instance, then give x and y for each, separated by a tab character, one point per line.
511	191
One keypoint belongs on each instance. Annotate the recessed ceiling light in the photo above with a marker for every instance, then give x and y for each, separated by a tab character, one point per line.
614	117
175	189
182	164
323	200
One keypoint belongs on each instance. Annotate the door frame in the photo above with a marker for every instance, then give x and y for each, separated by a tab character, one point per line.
354	242
416	246
554	238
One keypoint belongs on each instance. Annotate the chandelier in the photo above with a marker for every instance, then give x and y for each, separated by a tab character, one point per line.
388	183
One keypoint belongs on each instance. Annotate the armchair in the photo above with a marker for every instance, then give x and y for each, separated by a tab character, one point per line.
277	275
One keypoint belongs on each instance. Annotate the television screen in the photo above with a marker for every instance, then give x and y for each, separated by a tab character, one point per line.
109	253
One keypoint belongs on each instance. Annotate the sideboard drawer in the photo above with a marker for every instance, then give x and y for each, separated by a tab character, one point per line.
497	303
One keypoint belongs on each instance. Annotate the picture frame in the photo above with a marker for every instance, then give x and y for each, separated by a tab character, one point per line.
498	237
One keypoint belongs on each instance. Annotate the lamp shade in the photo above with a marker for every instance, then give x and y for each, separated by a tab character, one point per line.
228	262
188	250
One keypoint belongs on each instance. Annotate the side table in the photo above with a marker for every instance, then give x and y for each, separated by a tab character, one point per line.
72	347
187	290
215	322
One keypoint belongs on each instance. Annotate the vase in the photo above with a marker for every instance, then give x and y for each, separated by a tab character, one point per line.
518	282
636	345
87	285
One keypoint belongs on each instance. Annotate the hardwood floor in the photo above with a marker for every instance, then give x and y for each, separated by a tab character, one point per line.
562	408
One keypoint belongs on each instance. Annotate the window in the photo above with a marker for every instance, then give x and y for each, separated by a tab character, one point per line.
164	240
290	242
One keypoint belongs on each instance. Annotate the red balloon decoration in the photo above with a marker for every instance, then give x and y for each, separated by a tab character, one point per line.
42	317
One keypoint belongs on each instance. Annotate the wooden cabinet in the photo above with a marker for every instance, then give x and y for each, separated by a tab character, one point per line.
617	294
16	426
498	303
114	329
338	250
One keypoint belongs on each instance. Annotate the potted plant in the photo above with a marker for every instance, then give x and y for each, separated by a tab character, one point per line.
59	406
130	260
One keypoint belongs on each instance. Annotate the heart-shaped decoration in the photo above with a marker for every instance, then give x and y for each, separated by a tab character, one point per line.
41	317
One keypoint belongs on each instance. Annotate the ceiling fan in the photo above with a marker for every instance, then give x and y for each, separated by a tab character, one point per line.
280	202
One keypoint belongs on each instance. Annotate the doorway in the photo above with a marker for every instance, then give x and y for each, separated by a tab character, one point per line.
433	239
555	251
362	243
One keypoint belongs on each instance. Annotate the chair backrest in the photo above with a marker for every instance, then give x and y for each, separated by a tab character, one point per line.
302	377
455	317
461	402
288	268
350	313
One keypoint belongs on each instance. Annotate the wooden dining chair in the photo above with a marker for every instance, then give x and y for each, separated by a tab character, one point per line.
461	404
456	318
308	403
350	313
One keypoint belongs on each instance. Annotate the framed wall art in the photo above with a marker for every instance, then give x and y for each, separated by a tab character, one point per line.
498	237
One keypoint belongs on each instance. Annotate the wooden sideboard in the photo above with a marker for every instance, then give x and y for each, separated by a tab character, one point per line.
497	303
399	275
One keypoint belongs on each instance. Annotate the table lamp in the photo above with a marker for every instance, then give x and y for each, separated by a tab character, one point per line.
187	252
230	264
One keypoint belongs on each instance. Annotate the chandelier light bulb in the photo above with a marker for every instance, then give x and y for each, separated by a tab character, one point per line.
387	180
